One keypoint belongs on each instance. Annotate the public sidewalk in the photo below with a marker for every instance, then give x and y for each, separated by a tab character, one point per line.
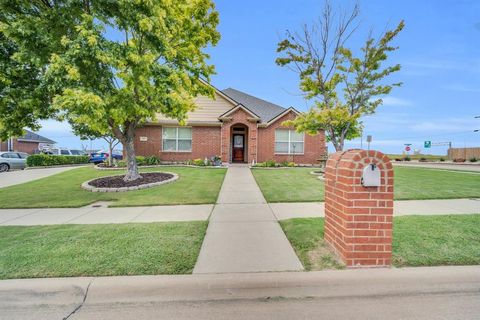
243	234
281	211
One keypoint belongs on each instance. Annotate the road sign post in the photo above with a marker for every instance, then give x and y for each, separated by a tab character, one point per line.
427	144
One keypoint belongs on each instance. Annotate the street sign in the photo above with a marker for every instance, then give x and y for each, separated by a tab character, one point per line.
369	138
427	144
407	148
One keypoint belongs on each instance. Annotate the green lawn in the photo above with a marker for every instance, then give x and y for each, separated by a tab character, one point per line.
194	186
100	250
289	185
297	185
417	241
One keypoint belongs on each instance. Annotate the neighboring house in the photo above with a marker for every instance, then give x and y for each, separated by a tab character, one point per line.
29	143
236	126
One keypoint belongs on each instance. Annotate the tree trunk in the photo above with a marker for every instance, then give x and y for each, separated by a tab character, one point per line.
132	168
110	150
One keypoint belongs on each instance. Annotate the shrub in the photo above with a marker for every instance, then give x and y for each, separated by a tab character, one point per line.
398	159
442	160
407	158
291	164
423	159
140	160
473	159
152	161
199	162
270	163
284	164
122	163
43	160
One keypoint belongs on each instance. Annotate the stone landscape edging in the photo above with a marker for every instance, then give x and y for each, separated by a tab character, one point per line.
91	188
162	165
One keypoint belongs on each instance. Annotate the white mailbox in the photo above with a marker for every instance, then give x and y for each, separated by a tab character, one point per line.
371	176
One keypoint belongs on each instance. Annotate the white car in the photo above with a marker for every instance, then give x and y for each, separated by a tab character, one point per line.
64	152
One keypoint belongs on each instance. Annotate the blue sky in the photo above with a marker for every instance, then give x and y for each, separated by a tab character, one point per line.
439	54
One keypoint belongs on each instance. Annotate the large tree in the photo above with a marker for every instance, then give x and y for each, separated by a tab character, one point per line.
342	86
122	62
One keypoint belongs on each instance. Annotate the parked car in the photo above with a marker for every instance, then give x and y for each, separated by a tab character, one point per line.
64	152
117	155
12	160
98	157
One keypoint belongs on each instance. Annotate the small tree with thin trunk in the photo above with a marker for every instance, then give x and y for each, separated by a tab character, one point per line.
343	87
86	133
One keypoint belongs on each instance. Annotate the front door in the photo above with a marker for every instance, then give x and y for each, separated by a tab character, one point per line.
238	148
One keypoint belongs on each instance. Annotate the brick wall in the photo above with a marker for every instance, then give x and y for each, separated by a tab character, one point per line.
240	117
314	147
358	219
20	146
205	143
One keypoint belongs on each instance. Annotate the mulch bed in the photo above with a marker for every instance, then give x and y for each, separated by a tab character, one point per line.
117	181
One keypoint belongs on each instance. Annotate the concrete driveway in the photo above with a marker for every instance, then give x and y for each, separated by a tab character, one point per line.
17	177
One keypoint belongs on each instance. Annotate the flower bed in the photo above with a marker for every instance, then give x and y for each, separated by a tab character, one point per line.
116	183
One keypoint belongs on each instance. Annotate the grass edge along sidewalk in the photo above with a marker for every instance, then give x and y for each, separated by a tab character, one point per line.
417	241
100	250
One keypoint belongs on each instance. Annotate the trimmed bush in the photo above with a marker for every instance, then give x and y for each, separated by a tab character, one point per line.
140	160
473	159
442	160
199	162
152	161
45	160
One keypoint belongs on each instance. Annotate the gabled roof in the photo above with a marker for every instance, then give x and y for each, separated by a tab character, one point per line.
30	136
263	109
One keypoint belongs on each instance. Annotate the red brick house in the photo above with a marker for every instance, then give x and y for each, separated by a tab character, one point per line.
236	126
28	143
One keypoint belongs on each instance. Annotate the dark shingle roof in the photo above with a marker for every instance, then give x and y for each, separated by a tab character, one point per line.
32	136
264	109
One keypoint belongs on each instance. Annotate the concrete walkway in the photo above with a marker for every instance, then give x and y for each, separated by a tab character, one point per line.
21	176
285	211
224	211
243	234
406	293
94	215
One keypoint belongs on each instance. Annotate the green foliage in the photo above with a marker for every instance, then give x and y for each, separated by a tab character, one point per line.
43	160
473	159
270	163
199	162
407	158
343	87
152	160
141	160
442	159
114	85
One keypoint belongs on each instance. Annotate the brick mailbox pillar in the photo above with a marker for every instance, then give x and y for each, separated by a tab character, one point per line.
358	218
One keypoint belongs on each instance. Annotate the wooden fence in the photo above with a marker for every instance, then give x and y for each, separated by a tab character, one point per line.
464	153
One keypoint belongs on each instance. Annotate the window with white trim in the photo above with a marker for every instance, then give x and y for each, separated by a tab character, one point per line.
289	142
177	139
